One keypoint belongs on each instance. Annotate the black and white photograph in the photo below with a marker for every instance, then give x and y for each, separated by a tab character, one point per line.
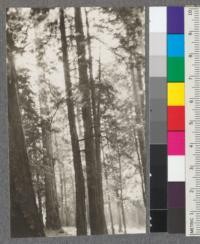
76	114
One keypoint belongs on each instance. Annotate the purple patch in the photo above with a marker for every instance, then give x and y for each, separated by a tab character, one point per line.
175	20
176	194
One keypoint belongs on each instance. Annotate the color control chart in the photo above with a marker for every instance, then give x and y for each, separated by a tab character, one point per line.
175	120
158	118
174	93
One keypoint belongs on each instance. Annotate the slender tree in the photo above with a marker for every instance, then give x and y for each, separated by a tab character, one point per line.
39	194
96	211
139	119
108	193
121	189
119	210
132	43
95	101
81	224
51	199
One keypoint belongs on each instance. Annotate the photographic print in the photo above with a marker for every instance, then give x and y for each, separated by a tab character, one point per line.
76	112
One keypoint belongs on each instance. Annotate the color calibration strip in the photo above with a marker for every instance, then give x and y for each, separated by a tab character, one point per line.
192	119
174	87
158	118
176	120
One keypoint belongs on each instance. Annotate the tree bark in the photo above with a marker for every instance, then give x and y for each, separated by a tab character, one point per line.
108	194
96	213
79	124
121	189
52	208
139	120
95	99
136	143
62	215
111	215
81	223
25	219
119	211
51	201
141	133
39	196
97	126
73	197
66	209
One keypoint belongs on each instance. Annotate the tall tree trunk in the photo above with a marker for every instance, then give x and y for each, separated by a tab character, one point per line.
81	224
62	215
73	197
66	210
123	211
111	215
119	211
97	126
25	219
139	120
121	189
108	194
78	118
51	201
90	66
136	143
95	99
96	213
39	196
141	87
141	133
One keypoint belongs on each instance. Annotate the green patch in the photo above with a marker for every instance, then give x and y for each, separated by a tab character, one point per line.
175	69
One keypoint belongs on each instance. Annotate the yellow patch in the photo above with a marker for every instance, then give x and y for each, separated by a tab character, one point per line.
176	94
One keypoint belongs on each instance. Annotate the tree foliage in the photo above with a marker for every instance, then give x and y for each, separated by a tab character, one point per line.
81	94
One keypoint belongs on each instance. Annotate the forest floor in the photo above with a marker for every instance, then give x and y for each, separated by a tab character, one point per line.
71	231
66	231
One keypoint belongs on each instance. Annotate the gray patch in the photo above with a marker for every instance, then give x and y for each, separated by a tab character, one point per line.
158	133
158	49
158	110
158	88
158	66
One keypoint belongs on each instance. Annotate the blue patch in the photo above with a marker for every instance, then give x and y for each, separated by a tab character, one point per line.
175	45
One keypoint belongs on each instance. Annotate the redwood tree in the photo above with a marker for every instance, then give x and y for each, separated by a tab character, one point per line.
25	218
96	213
81	223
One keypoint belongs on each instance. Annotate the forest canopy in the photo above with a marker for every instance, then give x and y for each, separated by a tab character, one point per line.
76	106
